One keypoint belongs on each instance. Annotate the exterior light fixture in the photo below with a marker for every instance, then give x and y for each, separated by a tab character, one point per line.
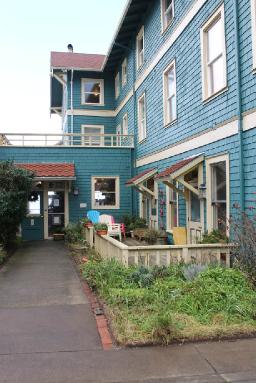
202	191
75	191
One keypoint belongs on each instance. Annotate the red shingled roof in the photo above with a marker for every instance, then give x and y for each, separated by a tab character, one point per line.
50	169
77	60
172	169
136	178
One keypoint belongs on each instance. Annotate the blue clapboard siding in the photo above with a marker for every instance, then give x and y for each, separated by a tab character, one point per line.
88	162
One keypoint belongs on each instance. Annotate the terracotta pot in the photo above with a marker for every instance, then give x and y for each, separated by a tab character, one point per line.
102	232
89	224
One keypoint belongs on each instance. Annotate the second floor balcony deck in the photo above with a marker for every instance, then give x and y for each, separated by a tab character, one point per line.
64	140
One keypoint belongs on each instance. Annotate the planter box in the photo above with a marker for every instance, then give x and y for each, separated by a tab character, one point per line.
58	237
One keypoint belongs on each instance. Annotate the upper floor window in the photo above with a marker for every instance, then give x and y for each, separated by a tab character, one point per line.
93	135
125	124
170	99
142	128
117	85
140	48
92	91
167	8
124	72
214	71
253	13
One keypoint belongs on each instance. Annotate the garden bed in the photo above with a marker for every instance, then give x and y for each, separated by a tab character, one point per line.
180	303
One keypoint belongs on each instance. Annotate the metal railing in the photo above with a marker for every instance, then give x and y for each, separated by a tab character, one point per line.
67	140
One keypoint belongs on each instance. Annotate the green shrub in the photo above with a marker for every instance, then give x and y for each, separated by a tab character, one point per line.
214	236
151	236
74	233
100	226
190	272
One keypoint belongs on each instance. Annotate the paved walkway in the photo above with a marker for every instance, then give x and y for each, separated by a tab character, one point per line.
48	334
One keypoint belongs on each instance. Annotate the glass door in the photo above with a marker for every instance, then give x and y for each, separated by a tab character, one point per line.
56	211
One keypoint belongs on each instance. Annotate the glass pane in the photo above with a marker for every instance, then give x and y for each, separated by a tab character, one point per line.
215	38
104	199
34	206
195	207
172	109
219	177
171	82
219	216
92	98
105	184
167	3
55	202
217	75
92	87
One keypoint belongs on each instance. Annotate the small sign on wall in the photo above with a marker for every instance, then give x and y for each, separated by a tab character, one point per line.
83	205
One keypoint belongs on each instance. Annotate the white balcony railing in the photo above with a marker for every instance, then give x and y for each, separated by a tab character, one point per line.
67	140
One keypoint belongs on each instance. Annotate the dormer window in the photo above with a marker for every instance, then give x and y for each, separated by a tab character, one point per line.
92	91
140	48
167	7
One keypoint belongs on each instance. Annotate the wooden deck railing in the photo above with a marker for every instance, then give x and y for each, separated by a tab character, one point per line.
67	140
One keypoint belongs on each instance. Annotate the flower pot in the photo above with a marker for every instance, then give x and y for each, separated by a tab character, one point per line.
102	232
89	224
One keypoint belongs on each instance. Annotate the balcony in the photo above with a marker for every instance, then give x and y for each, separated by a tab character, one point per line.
67	140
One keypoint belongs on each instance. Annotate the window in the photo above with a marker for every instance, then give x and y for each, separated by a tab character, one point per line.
125	124
214	72
34	207
170	101
124	72
93	135
217	184
140	48
142	132
92	91
253	13
105	192
117	86
167	7
119	133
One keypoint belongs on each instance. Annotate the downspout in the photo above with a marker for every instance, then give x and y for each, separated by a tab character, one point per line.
134	151
239	105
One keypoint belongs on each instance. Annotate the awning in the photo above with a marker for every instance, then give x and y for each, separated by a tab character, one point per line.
50	171
176	173
139	180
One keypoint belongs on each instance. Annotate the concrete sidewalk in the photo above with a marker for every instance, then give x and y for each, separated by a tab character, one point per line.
48	334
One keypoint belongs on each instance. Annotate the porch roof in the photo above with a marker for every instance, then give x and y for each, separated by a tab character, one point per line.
180	167
44	171
141	177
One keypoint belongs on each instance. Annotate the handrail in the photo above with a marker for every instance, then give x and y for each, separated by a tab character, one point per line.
67	139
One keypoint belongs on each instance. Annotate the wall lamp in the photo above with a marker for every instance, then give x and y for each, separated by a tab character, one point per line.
75	191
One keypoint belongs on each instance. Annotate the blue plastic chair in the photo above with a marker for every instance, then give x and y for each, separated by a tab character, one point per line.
93	216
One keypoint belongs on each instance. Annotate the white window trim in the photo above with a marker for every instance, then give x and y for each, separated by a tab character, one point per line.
101	81
253	16
208	163
117	85
119	133
117	205
125	130
165	91
140	138
219	13
166	26
124	75
139	36
101	127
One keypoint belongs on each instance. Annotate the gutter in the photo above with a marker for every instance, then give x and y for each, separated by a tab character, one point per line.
239	105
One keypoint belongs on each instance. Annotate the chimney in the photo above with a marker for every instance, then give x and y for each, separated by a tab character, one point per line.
70	48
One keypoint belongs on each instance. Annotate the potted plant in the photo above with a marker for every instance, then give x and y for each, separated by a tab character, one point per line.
101	228
86	222
151	236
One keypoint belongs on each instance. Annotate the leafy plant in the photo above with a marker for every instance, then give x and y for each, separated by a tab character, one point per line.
190	272
73	233
243	228
214	236
15	188
85	221
134	222
100	226
151	236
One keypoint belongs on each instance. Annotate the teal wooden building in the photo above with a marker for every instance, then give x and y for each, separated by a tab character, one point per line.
163	126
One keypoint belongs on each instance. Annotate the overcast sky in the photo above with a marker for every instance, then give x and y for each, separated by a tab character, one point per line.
29	30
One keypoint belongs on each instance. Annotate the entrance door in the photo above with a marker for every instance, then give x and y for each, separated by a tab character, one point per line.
56	211
32	227
194	219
